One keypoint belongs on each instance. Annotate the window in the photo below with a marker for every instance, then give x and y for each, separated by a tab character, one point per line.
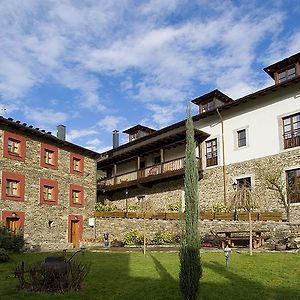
244	182
211	153
14	146
12	186
49	157
210	105
241	138
291	131
76	195
293	185
48	191
76	164
287	74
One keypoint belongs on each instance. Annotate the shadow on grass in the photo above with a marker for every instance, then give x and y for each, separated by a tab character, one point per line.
238	287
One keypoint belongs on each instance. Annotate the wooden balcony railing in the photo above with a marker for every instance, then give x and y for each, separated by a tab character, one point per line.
157	169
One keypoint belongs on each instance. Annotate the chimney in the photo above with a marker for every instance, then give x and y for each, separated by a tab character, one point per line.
61	132
115	138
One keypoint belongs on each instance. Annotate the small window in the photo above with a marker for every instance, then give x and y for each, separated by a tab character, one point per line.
49	157
76	164
244	183
210	105
211	153
241	137
76	195
291	131
14	146
13	185
12	188
293	185
287	74
48	191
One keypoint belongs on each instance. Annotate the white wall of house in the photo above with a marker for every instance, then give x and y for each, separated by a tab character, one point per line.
262	119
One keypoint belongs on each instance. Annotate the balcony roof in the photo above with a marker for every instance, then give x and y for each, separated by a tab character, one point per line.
156	140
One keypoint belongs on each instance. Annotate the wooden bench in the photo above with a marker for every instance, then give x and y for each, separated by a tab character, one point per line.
270	216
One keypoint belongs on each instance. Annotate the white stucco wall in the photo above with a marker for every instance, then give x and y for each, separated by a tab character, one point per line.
262	118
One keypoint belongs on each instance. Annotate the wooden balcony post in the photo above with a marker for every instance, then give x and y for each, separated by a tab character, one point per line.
115	174
162	152
138	166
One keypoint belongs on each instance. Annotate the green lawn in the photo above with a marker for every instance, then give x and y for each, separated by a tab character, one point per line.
133	276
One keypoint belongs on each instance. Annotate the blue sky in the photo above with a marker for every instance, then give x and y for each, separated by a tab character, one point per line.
96	66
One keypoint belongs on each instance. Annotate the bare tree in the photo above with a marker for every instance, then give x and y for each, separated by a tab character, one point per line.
274	180
247	199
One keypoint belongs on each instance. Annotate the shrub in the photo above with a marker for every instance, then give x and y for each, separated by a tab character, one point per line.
9	241
220	207
3	255
133	207
59	278
105	207
174	206
134	237
163	237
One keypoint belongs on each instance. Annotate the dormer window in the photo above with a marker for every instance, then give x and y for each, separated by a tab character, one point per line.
285	70
137	132
211	101
285	75
210	105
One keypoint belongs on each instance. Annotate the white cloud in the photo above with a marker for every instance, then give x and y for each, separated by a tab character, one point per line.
45	117
74	134
110	123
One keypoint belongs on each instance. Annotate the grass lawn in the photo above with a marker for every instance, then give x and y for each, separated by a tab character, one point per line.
133	276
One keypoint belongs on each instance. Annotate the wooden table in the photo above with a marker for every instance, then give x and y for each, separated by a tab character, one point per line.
231	237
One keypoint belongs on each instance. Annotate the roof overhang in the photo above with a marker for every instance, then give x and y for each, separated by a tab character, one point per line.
151	142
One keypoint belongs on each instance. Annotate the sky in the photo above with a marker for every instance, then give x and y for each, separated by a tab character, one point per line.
98	65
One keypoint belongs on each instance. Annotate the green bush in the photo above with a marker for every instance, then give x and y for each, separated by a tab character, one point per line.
3	255
174	206
105	207
133	207
164	237
133	237
220	207
9	241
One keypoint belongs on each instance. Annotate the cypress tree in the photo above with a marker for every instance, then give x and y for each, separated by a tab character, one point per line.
189	253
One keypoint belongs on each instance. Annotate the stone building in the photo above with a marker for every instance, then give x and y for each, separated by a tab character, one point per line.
239	142
48	186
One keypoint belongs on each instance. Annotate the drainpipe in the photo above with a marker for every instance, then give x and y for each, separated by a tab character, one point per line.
223	152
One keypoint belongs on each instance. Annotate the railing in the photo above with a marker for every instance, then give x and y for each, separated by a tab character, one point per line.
157	169
291	138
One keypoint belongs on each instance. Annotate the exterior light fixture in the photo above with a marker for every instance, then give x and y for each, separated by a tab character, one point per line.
234	185
14	215
227	253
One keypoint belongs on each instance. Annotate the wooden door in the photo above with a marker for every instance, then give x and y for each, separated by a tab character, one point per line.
75	233
12	224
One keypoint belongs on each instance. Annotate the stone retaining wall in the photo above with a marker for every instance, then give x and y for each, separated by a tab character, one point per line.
119	227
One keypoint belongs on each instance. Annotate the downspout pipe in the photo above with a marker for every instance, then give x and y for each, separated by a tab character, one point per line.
224	161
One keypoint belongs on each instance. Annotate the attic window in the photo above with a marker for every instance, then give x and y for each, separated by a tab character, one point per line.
209	105
288	74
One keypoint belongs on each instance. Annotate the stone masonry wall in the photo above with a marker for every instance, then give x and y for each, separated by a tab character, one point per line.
36	228
119	227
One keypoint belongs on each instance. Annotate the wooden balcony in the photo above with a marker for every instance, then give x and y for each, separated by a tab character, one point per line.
169	169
